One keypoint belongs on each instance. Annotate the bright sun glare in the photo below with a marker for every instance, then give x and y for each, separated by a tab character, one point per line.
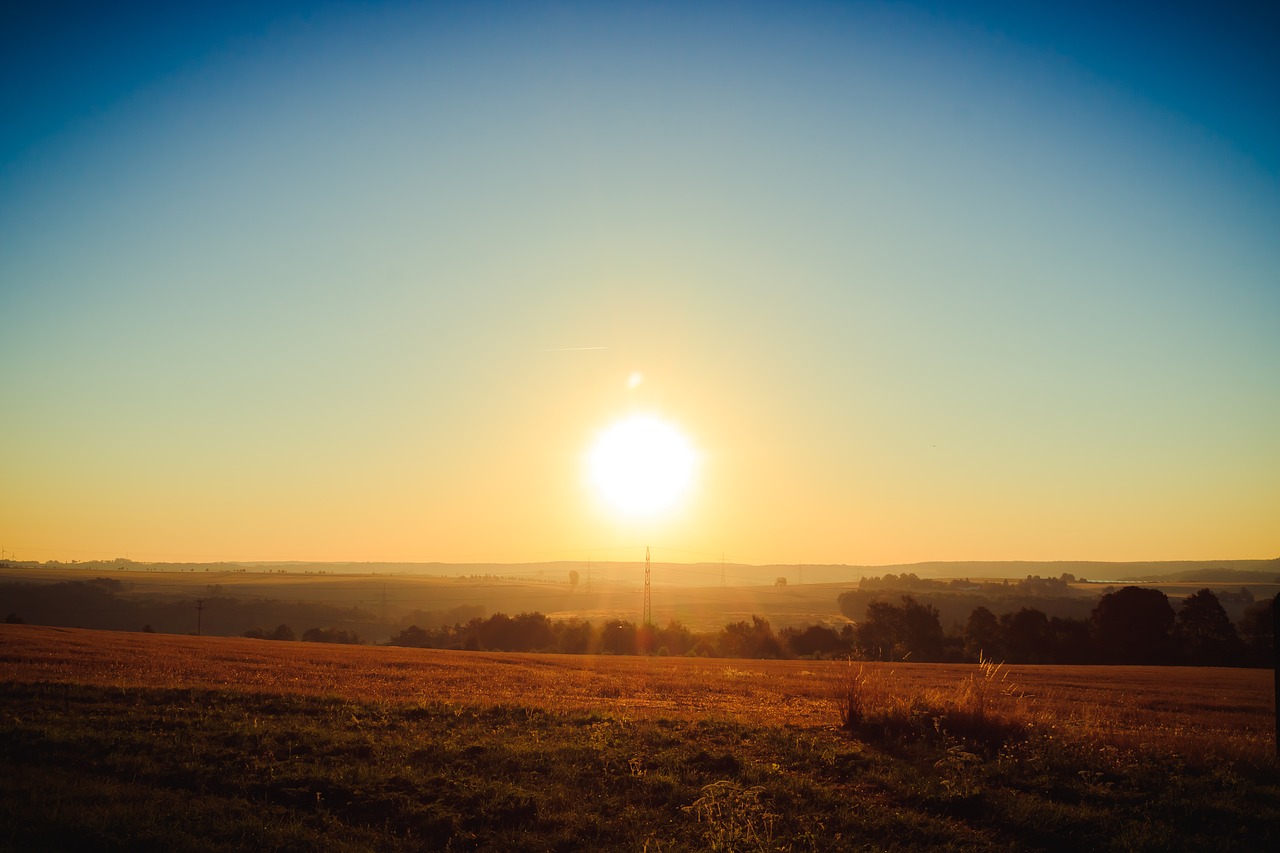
641	465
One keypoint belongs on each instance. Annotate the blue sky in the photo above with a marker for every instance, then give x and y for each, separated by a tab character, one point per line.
361	281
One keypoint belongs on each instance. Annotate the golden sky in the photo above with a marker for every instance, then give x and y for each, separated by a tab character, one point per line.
368	284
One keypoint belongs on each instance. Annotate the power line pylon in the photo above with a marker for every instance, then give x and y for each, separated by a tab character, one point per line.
648	605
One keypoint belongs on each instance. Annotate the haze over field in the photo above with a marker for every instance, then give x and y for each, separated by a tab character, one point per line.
865	283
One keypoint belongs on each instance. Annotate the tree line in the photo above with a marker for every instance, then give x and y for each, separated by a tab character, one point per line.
535	632
1133	625
108	604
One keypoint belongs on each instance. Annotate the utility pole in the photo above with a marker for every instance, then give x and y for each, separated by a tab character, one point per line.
199	614
648	604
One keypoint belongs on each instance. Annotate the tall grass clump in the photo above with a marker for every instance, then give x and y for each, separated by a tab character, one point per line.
985	709
860	696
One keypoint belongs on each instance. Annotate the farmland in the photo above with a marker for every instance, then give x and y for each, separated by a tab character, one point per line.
136	741
377	606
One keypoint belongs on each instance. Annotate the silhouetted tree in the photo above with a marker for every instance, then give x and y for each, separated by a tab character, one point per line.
574	637
817	641
283	632
533	633
1071	640
1205	633
573	579
1257	632
754	639
1133	625
900	631
618	637
983	635
1026	636
412	637
331	635
675	638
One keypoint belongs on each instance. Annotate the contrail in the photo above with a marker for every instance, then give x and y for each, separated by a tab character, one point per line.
569	349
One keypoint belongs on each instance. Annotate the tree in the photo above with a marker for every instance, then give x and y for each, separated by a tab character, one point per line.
1133	625
573	579
646	638
573	637
1071	640
878	636
1205	633
900	631
331	635
283	632
983	636
781	581
749	640
675	638
1257	631
618	637
413	637
533	632
1026	636
815	641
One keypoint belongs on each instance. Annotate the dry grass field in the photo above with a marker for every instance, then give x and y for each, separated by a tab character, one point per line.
124	741
1182	710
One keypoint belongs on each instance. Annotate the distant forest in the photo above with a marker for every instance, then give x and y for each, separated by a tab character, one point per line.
956	599
1132	625
104	603
1013	622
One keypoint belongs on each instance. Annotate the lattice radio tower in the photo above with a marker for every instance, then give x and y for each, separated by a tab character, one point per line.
648	605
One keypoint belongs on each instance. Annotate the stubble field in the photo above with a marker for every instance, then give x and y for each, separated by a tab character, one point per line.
138	741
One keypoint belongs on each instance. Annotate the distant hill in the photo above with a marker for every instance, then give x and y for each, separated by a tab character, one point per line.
736	574
1217	573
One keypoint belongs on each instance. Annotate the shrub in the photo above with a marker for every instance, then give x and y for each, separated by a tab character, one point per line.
984	709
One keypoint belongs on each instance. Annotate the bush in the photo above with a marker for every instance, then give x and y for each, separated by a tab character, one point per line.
331	635
984	710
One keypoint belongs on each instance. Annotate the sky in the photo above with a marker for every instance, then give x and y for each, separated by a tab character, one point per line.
915	281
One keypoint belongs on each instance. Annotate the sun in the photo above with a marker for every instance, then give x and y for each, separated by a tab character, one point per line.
641	465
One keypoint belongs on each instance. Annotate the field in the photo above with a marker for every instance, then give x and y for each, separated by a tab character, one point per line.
134	741
379	605
614	593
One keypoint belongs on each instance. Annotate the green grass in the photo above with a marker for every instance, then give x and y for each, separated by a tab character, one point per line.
106	768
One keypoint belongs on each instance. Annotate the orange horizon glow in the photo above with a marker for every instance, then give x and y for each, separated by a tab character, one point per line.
371	284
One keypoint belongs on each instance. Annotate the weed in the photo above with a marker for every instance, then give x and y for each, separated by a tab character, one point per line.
959	772
861	696
732	817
